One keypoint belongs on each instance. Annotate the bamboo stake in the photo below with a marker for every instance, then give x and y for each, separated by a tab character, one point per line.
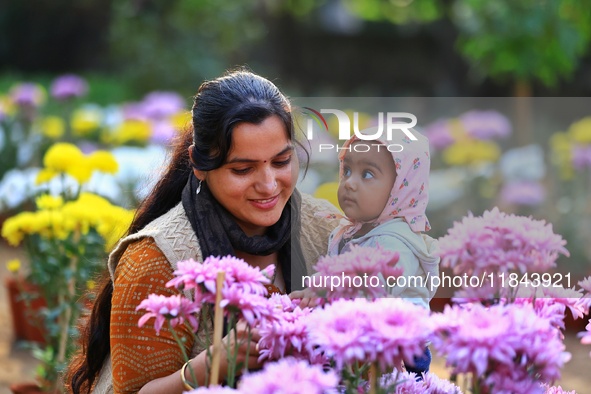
218	326
373	378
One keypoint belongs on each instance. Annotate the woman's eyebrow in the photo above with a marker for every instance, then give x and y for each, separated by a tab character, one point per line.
285	150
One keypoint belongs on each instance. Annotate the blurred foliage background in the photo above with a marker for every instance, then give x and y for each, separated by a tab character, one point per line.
125	49
312	47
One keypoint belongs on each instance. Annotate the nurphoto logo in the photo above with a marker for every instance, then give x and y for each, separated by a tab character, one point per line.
389	122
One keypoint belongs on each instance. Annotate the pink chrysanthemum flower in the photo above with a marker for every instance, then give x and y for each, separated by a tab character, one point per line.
435	385
511	381
249	306
586	284
358	263
191	274
497	242
402	382
500	341
556	390
243	289
387	331
289	376
175	308
285	334
551	303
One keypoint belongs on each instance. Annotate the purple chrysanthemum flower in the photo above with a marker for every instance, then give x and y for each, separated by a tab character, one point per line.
486	125
581	156
162	131
439	134
497	242
387	331
27	94
525	193
159	105
68	86
175	308
499	342
134	111
357	263
289	376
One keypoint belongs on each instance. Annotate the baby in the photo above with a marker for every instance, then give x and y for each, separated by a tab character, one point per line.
383	191
384	196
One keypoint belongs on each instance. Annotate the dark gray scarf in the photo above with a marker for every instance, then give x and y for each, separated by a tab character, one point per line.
220	235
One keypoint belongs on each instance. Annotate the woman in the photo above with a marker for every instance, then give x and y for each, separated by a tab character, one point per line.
229	189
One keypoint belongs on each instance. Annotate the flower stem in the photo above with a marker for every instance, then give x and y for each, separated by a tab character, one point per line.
184	352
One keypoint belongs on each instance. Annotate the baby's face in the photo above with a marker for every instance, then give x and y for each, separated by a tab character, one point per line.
366	182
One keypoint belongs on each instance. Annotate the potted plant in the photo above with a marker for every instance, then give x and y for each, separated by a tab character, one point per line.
66	239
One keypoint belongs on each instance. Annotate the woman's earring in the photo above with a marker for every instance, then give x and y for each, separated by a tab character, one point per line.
198	187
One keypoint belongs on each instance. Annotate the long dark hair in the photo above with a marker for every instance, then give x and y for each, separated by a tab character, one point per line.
220	104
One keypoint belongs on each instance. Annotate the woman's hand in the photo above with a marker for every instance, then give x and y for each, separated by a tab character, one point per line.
308	298
239	336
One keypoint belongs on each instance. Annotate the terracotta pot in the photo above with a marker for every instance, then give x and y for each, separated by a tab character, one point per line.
26	388
26	318
30	388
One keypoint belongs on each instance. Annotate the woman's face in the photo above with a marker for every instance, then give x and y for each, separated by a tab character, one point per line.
258	177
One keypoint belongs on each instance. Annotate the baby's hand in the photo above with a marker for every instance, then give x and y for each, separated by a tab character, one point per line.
308	298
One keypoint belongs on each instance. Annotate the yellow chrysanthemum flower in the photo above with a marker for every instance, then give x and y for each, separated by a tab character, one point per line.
457	130
47	201
45	175
104	161
561	154
180	120
15	228
82	171
53	127
85	121
328	191
62	156
89	211
132	131
471	152
6	106
13	265
580	132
